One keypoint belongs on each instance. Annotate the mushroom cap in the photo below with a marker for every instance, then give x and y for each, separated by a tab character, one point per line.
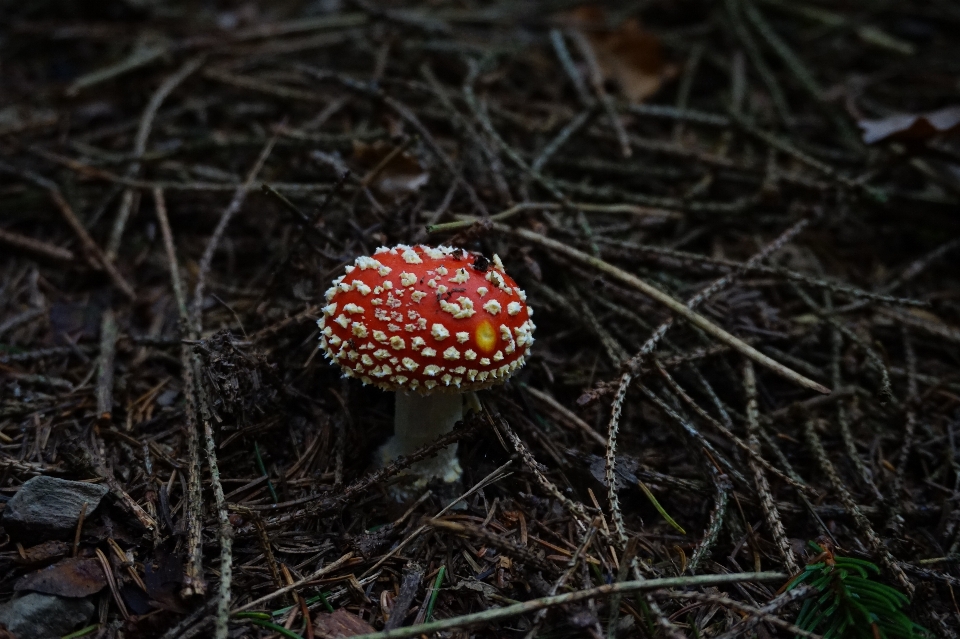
426	319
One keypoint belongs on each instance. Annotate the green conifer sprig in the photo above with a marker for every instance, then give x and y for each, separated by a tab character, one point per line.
848	603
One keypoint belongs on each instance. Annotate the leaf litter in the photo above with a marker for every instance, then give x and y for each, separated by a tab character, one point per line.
244	499
71	577
629	55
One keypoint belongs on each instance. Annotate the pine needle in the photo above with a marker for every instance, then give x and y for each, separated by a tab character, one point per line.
663	513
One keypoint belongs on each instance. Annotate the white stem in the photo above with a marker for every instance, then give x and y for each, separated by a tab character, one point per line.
420	419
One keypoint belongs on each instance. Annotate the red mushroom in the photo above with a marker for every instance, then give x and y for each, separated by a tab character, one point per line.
430	323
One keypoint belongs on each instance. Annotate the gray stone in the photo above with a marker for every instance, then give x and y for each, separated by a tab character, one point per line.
36	616
50	507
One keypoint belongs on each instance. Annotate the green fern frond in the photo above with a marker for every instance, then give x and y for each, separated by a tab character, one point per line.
848	603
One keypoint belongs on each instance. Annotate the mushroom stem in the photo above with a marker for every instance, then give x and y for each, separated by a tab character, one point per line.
420	419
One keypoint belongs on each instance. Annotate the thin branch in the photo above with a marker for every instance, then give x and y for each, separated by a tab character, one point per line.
666	300
623	587
326	570
193	583
31	245
140	147
89	246
770	511
239	197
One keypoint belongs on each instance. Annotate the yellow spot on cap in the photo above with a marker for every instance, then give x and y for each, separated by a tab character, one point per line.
486	336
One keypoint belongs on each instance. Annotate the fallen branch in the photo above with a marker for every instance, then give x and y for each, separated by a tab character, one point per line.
623	587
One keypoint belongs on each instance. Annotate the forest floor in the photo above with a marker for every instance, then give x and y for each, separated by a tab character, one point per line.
738	226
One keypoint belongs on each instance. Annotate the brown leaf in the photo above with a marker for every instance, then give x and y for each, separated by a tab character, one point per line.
43	553
629	55
340	623
911	126
400	176
73	577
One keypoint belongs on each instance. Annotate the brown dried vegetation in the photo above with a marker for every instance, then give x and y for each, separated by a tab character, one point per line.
179	182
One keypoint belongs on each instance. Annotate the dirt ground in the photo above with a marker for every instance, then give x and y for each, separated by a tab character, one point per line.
737	223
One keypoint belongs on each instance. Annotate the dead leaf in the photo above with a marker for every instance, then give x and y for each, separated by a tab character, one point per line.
163	577
43	553
400	176
340	623
911	126
628	55
137	601
73	577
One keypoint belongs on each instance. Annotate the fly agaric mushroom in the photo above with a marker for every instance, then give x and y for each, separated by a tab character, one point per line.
431	324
